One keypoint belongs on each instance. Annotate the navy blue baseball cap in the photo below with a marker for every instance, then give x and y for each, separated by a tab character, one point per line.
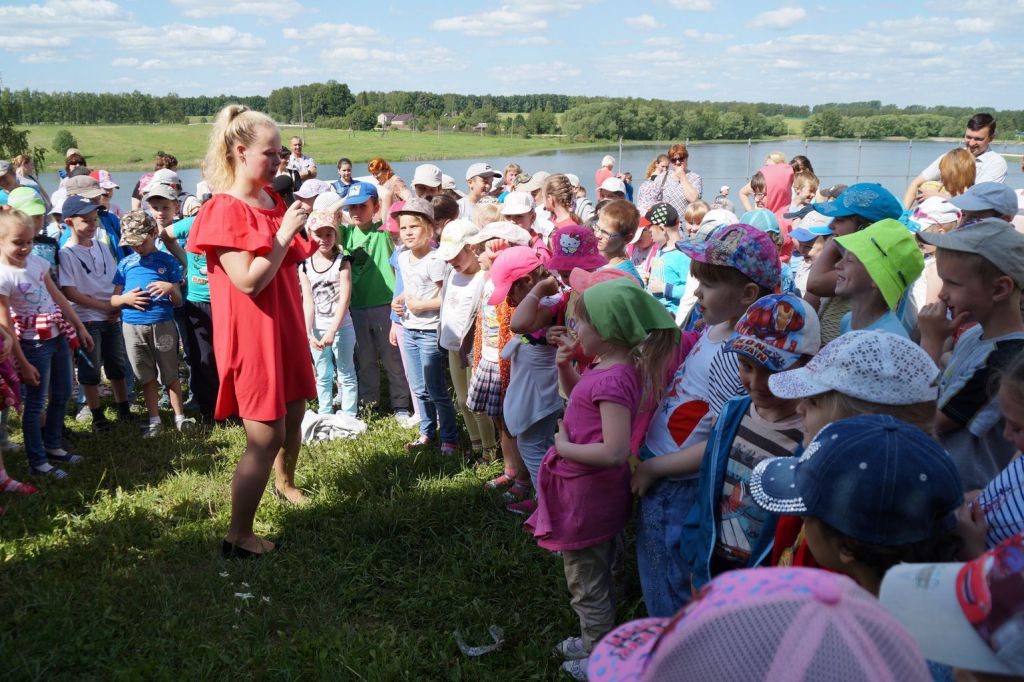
867	199
77	205
872	477
360	193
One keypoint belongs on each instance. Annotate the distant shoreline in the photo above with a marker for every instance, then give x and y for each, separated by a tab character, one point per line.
132	147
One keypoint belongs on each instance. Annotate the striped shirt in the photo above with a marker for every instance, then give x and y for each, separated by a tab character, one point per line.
740	520
1003	502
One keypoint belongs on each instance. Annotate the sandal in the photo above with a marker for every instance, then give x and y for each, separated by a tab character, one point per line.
17	487
420	442
65	458
450	449
500	482
54	473
519	491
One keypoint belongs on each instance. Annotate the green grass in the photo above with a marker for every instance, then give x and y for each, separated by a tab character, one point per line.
795	125
131	147
115	573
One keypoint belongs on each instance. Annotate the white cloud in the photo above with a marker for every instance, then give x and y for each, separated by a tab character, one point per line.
532	40
57	23
125	62
781	18
643	21
43	57
975	25
329	32
199	38
525	16
373	62
274	9
693	5
705	37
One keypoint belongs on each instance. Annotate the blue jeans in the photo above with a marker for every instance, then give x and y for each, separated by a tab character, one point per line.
428	380
336	361
53	360
664	571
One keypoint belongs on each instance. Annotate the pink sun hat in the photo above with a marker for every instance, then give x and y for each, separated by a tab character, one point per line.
765	624
574	246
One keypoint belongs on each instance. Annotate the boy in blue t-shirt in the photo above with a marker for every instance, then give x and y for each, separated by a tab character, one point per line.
147	287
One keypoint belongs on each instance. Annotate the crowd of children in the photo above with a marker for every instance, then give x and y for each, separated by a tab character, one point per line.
790	405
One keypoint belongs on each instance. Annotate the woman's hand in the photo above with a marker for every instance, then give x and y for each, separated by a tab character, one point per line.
293	221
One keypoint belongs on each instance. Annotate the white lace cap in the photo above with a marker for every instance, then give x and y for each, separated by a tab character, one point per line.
876	366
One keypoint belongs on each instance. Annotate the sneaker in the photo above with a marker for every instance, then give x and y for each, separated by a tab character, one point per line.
187	425
571	649
152	430
523	507
518	492
451	449
577	668
165	402
191	405
53	472
84	414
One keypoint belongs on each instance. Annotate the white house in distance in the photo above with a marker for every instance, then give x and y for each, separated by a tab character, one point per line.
390	120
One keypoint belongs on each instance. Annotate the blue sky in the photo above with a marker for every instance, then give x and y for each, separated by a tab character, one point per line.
957	52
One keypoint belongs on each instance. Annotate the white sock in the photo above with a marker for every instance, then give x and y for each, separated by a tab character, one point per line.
178	419
44	468
154	421
59	452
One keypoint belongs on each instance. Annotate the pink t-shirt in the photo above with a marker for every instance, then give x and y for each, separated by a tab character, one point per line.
579	505
600	176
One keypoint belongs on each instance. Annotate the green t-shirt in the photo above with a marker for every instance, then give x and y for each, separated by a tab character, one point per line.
196	282
373	280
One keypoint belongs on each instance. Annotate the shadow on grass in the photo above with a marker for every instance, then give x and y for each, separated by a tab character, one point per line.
395	552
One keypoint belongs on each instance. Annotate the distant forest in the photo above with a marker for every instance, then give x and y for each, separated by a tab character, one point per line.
332	105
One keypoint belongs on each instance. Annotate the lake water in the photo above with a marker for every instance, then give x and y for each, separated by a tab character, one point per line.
893	164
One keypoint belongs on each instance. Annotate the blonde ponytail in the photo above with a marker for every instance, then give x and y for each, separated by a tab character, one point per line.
235	124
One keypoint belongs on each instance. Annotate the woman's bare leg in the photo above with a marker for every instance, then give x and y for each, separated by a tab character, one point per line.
288	455
263	441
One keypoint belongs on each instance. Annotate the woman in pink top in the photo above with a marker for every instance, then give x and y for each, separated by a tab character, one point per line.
583	498
605	171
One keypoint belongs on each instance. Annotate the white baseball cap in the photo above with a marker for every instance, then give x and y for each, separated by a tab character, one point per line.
614	185
502	229
454	237
427	175
517	203
876	366
312	188
165	176
574	180
481	169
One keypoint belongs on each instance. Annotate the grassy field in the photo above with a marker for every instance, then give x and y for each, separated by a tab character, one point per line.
131	147
115	573
795	125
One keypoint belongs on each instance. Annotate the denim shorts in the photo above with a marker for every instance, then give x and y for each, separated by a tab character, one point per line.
108	348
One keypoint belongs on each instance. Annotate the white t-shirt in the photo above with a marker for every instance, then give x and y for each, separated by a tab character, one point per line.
465	208
90	269
1018	220
326	292
701	385
991	167
25	289
302	164
421	279
457	307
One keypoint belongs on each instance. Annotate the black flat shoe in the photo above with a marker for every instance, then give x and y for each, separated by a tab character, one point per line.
231	551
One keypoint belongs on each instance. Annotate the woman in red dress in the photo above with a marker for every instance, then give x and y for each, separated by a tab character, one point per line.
252	245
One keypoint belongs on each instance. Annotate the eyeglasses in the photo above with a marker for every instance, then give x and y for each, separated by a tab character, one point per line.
606	234
886	255
679	159
760	195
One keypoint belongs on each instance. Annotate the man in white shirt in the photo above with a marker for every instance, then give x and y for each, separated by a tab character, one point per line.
299	162
981	130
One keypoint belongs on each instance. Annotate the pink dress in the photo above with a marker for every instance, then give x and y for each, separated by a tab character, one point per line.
260	341
579	505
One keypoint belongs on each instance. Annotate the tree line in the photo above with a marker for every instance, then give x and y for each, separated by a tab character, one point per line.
333	105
